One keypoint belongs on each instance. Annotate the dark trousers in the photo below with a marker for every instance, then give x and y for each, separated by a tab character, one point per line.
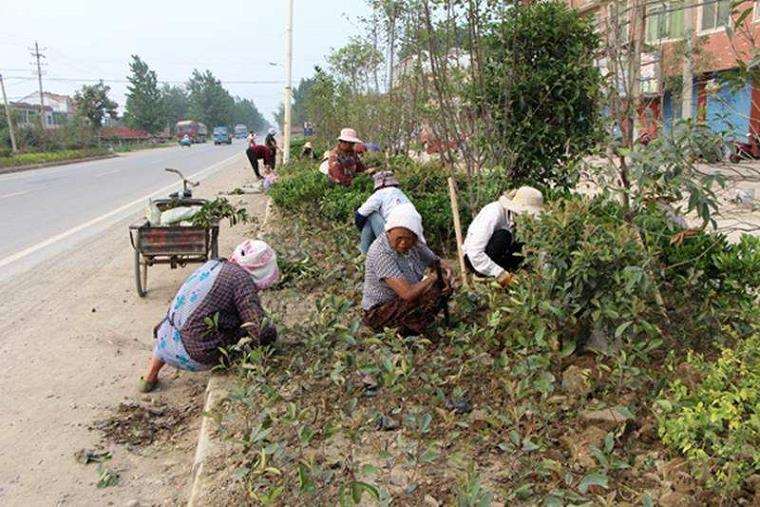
503	250
254	161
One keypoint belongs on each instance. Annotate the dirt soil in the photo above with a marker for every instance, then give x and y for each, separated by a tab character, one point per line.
74	338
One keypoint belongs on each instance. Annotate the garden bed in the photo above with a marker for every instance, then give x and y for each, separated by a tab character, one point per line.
505	408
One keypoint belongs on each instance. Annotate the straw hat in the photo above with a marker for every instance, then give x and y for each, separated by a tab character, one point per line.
523	200
307	144
348	135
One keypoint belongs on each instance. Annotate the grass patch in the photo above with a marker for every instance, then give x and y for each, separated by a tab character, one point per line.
23	159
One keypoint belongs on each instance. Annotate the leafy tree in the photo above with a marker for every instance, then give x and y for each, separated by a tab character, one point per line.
322	106
144	109
93	103
246	112
209	102
299	105
541	90
176	104
355	63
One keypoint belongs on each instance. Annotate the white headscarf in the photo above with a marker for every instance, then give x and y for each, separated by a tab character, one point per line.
259	260
406	216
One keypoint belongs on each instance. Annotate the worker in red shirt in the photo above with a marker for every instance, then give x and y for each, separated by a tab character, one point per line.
259	151
344	163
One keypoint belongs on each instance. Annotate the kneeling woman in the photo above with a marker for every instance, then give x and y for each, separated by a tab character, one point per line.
397	291
216	306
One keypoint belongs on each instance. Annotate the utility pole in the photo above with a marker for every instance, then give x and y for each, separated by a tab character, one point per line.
38	56
687	72
288	78
14	149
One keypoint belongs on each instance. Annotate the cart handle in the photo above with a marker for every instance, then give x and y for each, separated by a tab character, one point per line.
185	181
131	239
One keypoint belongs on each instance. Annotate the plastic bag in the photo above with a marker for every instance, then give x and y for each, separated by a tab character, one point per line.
179	214
152	213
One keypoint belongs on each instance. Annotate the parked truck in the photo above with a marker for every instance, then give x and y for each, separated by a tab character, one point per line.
195	130
241	131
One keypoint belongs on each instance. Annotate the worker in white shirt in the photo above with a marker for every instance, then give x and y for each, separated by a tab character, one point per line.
490	247
371	216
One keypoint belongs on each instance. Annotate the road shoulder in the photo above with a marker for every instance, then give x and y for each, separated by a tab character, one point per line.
73	347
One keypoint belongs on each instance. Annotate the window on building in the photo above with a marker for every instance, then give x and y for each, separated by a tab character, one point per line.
665	20
715	14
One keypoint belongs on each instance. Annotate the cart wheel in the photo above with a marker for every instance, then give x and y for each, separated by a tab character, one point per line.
141	275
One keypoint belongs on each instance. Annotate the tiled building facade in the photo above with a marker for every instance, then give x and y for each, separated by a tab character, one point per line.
727	107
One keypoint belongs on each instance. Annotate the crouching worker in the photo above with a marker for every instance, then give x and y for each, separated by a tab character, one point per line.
371	216
221	291
256	152
490	247
401	288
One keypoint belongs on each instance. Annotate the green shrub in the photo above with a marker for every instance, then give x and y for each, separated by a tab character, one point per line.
374	159
715	422
591	272
50	156
542	89
340	203
706	281
299	189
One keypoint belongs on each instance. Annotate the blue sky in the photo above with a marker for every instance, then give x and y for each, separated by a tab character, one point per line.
236	40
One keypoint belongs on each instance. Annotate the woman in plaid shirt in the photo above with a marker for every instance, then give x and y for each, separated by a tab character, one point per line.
215	307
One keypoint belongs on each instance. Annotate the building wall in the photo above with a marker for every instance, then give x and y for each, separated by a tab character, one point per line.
731	110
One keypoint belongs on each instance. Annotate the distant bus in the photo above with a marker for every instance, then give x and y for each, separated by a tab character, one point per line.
194	129
241	131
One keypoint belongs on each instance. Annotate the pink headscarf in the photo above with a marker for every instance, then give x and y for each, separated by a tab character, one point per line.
259	260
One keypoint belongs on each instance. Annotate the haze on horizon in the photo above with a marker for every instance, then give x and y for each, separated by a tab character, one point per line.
238	41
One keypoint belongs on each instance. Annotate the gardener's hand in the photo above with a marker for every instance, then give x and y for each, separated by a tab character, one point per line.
505	279
430	278
448	278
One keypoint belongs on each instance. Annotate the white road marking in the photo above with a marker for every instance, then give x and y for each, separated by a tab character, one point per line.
100	175
14	194
58	237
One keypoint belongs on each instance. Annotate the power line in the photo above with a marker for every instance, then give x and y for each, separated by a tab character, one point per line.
126	81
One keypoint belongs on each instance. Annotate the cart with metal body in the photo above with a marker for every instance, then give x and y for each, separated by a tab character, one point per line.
176	245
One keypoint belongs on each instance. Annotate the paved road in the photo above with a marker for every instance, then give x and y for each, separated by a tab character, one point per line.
43	212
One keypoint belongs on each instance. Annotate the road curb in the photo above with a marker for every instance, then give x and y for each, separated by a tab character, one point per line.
215	393
22	168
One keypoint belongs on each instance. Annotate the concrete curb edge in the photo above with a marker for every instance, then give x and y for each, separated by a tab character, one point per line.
215	392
